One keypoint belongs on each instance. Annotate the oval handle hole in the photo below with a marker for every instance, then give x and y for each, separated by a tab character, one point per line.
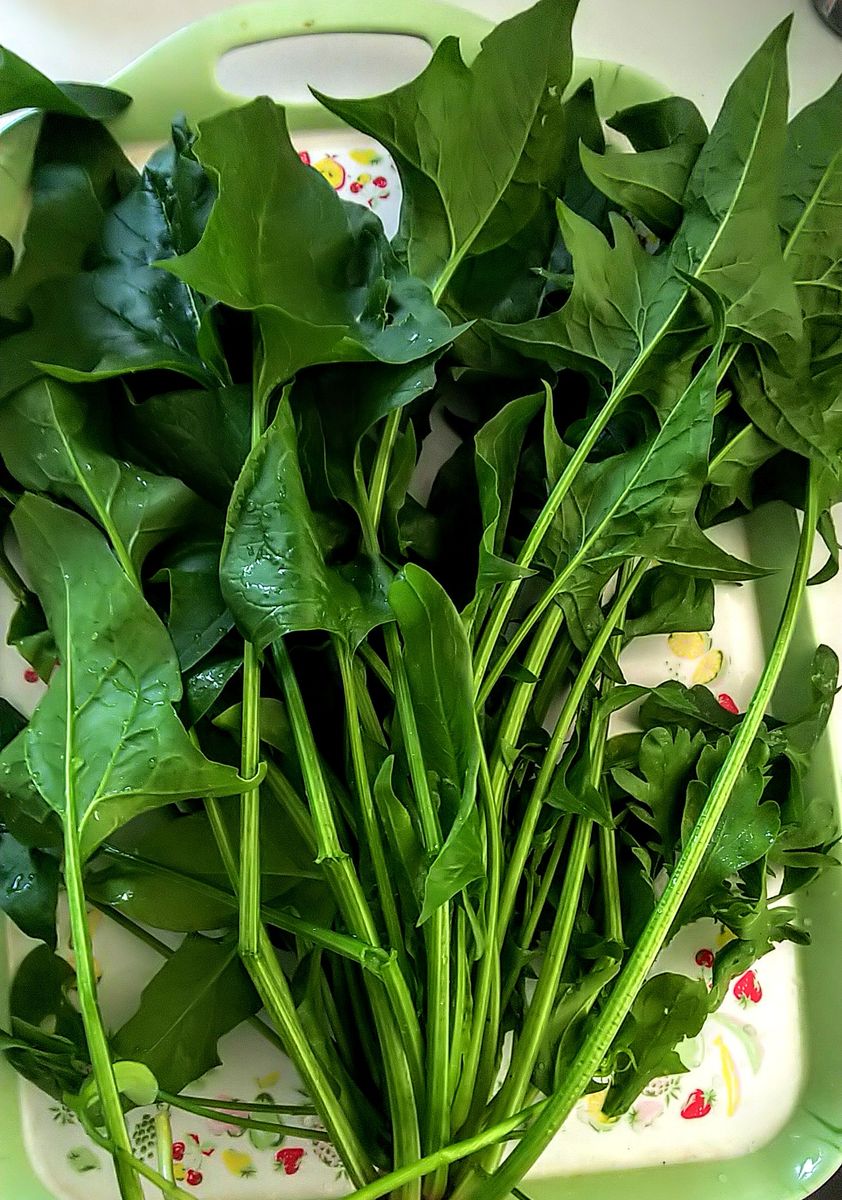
340	64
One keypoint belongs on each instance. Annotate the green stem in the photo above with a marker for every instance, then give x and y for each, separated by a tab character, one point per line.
531	923
112	1109
484	1031
214	1114
433	1163
377	666
391	996
163	1144
641	959
126	1160
528	1044
371	826
273	990
380	467
250	806
369	957
526	832
227	1106
436	930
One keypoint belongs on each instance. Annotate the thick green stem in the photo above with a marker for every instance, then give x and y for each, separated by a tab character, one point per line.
380	468
484	1022
250	806
391	996
163	1144
525	1054
641	959
526	832
273	989
531	923
433	1163
371	826
112	1109
436	930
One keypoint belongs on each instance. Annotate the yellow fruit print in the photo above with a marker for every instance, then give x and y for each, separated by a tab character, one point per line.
332	170
729	1074
238	1164
688	645
179	1171
708	667
267	1081
366	157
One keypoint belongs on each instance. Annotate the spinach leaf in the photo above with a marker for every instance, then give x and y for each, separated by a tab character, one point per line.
746	831
274	571
57	439
812	191
474	171
498	447
39	996
104	743
205	683
727	240
668	135
123	314
198	617
23	86
199	994
694	709
198	436
668	601
667	760
667	1009
319	274
29	881
438	664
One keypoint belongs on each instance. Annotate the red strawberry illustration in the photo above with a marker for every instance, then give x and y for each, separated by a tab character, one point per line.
380	181
704	958
304	156
30	675
177	1151
747	989
194	1178
355	186
727	703
697	1104
289	1159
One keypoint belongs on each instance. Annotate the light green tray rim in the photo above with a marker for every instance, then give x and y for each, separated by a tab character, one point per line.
179	75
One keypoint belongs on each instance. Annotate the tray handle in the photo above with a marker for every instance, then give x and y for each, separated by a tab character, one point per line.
179	73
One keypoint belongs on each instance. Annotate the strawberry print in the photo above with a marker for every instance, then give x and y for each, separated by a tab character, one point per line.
289	1159
747	989
30	675
355	186
193	1178
727	703
698	1104
178	1151
305	157
705	958
380	181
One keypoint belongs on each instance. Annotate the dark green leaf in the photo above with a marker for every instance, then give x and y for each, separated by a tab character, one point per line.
474	170
57	439
200	437
204	685
666	601
29	888
498	447
23	86
274	571
319	274
666	763
199	994
199	617
438	664
667	1009
695	708
104	743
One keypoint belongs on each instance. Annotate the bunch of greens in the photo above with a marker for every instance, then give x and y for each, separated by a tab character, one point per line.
351	737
